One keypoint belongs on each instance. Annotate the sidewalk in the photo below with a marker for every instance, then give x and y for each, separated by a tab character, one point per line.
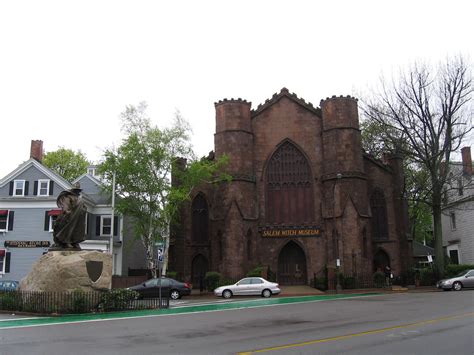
302	290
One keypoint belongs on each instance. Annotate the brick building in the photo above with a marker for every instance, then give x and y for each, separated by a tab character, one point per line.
303	195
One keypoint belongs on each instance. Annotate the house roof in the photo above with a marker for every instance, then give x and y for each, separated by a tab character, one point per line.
284	92
90	177
98	198
45	170
421	250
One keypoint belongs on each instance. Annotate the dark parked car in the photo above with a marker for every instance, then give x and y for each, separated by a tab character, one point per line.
150	288
8	285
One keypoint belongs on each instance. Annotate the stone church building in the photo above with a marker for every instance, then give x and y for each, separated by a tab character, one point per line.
303	198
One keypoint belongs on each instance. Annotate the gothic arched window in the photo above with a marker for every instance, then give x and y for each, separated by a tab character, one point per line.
379	215
200	217
289	190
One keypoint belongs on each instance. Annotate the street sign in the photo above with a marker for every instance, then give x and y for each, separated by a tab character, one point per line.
430	258
160	254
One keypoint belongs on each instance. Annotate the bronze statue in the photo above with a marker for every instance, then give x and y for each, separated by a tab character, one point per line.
69	228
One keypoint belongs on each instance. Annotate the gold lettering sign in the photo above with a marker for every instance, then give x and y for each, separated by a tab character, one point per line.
27	244
285	233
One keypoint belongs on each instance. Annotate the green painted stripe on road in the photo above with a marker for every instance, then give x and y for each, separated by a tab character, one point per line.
76	318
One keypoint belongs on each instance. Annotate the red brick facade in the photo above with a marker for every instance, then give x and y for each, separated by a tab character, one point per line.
303	167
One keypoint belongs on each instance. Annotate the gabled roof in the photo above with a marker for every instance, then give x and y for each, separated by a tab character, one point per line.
421	250
98	198
90	177
285	93
45	170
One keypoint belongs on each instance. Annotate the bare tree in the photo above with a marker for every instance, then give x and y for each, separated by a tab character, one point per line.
429	112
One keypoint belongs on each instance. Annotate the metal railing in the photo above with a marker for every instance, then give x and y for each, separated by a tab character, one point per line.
78	301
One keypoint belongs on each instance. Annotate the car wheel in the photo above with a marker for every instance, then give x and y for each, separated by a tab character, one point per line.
266	293
227	294
457	286
174	294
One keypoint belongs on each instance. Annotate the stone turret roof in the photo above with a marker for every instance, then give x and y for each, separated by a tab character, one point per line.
292	96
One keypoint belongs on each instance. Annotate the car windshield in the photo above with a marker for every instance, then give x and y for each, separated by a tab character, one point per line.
461	273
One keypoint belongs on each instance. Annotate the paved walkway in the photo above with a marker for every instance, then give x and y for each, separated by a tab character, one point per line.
307	290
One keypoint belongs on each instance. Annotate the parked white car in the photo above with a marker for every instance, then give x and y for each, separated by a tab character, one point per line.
256	286
461	280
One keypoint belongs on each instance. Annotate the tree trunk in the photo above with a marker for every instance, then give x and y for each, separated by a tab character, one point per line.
438	238
150	261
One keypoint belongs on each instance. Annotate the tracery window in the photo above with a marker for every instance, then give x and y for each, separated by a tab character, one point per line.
200	219
289	192
379	215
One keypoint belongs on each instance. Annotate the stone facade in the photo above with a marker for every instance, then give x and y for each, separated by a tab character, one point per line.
299	199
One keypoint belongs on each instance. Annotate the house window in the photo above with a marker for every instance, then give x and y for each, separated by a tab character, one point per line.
52	220
452	217
3	220
106	225
454	256
19	188
3	256
103	226
460	187
43	187
6	220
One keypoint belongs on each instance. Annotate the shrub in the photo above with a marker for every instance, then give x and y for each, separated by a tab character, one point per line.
79	302
271	276
427	277
349	282
321	283
453	269
212	280
255	272
10	301
379	279
117	299
225	282
172	274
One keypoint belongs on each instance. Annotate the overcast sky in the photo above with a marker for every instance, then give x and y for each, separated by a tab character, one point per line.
68	68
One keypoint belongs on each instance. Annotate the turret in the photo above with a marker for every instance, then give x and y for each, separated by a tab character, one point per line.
341	135
344	179
237	203
234	135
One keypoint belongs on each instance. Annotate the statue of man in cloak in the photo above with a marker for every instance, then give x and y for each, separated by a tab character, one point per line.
69	228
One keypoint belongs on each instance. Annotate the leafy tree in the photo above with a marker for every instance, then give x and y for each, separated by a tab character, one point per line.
378	139
430	111
143	165
66	162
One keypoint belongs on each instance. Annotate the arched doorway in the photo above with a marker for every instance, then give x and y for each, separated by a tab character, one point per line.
381	259
292	265
199	267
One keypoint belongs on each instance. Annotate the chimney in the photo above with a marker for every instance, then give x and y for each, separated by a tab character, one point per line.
466	161
36	151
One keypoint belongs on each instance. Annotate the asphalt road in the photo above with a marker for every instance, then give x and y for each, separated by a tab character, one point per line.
408	323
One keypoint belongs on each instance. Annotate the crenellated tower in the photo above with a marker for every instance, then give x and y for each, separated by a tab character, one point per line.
235	210
344	181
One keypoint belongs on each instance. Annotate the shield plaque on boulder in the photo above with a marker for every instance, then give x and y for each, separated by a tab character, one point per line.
94	269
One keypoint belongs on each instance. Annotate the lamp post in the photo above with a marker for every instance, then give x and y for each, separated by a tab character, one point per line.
111	248
338	260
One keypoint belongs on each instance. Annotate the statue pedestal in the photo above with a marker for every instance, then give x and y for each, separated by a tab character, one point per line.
61	271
